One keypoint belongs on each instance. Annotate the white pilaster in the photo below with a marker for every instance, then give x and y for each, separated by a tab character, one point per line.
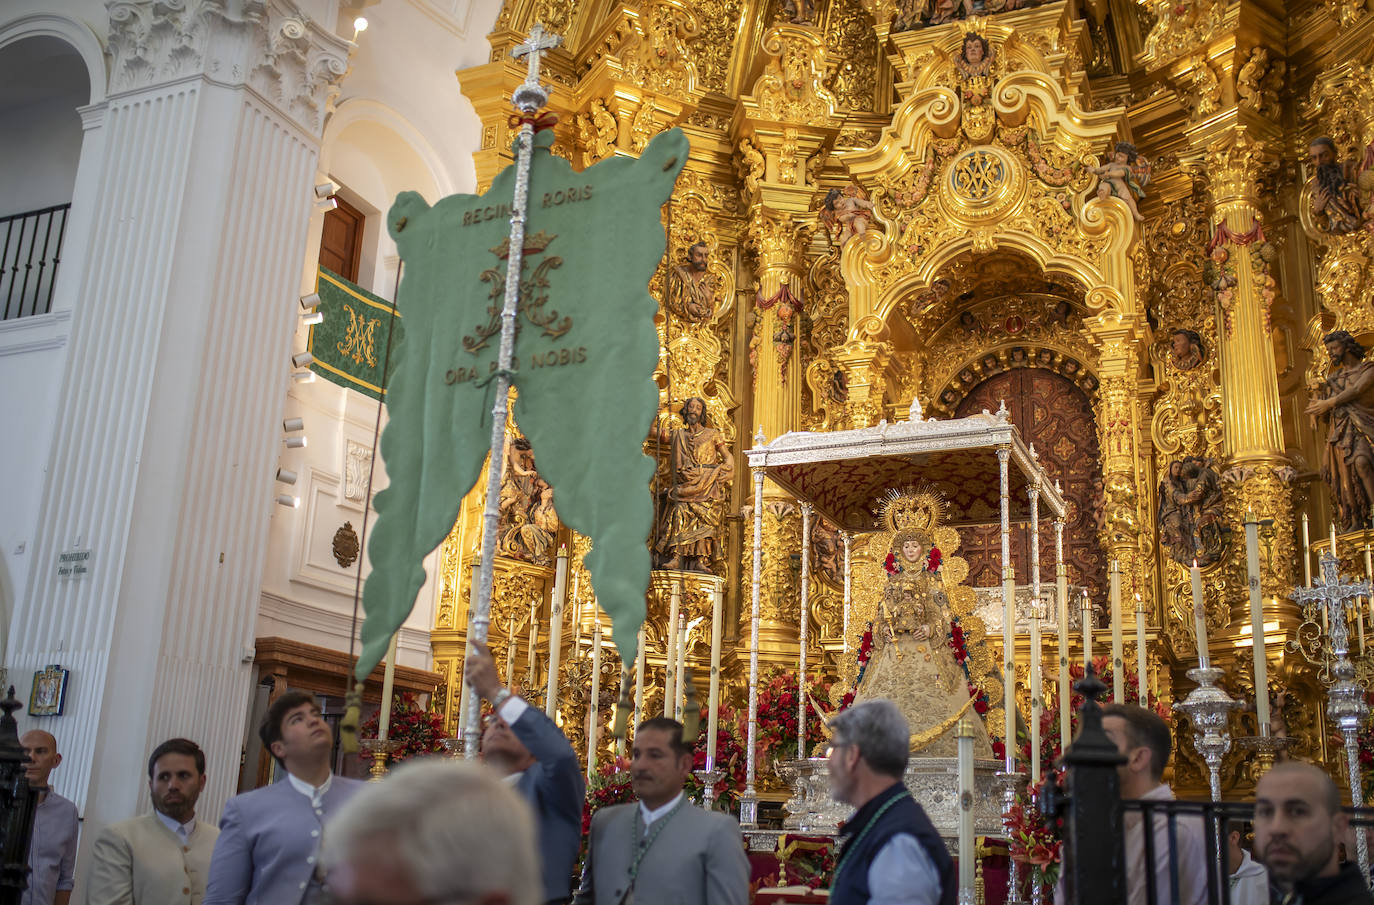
168	427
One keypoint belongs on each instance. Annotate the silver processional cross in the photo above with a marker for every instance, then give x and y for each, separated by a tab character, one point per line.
1345	703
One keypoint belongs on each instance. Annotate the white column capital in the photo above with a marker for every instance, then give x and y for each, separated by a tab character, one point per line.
269	46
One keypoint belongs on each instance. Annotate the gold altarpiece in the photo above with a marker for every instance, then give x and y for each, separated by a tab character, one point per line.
987	250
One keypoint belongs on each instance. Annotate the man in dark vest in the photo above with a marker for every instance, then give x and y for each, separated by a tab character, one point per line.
889	850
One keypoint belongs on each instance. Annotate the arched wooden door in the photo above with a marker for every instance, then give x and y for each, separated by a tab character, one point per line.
1055	415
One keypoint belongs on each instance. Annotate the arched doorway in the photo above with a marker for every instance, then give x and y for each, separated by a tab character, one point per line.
1054	414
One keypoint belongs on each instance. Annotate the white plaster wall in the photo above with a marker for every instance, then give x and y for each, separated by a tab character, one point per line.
400	124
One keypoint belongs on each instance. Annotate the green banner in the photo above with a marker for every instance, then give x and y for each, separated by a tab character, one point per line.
350	344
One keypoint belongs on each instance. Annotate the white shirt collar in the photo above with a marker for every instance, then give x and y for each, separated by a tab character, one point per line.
182	831
511	779
314	793
650	816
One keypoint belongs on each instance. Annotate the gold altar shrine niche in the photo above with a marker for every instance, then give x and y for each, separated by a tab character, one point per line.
1131	227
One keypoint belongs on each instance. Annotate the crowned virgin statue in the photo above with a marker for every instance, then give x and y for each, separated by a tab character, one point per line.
920	655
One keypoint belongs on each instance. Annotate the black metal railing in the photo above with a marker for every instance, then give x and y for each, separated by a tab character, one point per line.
30	250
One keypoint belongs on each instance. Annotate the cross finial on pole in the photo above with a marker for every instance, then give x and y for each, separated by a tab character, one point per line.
1331	594
530	96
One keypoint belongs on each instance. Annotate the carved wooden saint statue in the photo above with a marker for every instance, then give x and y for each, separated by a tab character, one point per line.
701	467
1346	400
692	290
1192	511
1335	193
528	523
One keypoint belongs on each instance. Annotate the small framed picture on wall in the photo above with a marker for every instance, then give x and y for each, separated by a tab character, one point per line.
49	693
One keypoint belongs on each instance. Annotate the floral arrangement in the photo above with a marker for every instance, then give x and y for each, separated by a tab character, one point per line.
1033	839
981	702
804	861
730	758
865	654
416	731
776	723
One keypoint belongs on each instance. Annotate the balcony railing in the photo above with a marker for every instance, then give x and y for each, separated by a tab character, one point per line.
30	250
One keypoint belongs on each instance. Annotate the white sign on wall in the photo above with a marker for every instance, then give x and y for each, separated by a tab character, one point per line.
73	564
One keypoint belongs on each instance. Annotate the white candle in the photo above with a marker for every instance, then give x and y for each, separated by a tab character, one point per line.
576	618
1087	619
1141	666
1306	555
560	590
670	650
1199	618
639	679
713	701
510	650
534	643
1118	658
1257	645
1037	692
594	710
680	673
964	738
388	681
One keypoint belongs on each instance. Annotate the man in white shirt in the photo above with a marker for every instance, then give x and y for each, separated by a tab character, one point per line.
269	842
1249	879
1144	739
162	857
890	853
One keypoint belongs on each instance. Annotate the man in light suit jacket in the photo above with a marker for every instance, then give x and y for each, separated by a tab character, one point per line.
528	748
662	849
162	858
269	841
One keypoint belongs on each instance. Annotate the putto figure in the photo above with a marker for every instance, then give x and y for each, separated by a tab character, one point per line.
701	466
846	213
1186	350
1335	194
692	289
1346	400
1124	176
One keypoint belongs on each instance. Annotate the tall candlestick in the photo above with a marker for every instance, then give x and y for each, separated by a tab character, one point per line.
1199	618
1306	555
680	669
1118	658
1141	665
560	591
802	637
388	682
1257	646
1037	692
1061	589
594	710
964	740
713	700
510	651
1087	620
670	650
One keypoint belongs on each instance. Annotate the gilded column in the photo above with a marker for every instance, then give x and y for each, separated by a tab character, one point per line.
1244	291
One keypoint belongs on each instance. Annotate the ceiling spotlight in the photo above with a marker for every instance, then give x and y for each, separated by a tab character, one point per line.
359	26
303	376
311	318
291	425
295	443
302	359
324	190
289	501
310	301
329	204
286	476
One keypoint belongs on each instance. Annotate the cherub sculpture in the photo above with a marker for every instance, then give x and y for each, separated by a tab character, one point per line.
846	213
1124	176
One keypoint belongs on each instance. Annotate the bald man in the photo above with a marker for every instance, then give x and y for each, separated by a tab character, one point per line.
1298	823
52	854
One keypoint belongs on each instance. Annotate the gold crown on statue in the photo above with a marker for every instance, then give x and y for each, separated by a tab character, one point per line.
920	508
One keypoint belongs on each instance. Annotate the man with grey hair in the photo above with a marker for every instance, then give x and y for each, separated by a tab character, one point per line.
434	831
890	853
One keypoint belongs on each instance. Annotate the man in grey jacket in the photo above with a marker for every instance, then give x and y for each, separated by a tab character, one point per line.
662	848
269	841
531	752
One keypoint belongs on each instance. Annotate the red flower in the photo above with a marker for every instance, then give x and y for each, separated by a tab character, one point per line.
890	564
981	705
933	560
